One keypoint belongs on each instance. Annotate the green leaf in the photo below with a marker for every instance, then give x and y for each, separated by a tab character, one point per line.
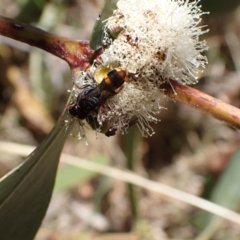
25	192
97	34
226	194
69	176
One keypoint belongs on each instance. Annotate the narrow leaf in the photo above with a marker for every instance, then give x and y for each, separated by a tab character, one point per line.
97	34
25	192
226	193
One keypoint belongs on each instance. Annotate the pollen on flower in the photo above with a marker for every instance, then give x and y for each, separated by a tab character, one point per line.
157	40
153	41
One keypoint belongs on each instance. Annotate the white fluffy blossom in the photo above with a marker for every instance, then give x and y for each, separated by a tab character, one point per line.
156	40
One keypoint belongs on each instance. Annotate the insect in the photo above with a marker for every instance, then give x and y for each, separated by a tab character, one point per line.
93	96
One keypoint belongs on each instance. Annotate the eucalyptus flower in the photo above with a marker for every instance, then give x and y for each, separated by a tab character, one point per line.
153	41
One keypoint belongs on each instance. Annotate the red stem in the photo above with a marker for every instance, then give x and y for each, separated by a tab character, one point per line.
199	100
76	53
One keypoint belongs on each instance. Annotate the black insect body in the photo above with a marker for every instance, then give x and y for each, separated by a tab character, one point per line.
92	97
84	104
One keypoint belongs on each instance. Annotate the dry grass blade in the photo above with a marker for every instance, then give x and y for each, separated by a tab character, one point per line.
137	180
